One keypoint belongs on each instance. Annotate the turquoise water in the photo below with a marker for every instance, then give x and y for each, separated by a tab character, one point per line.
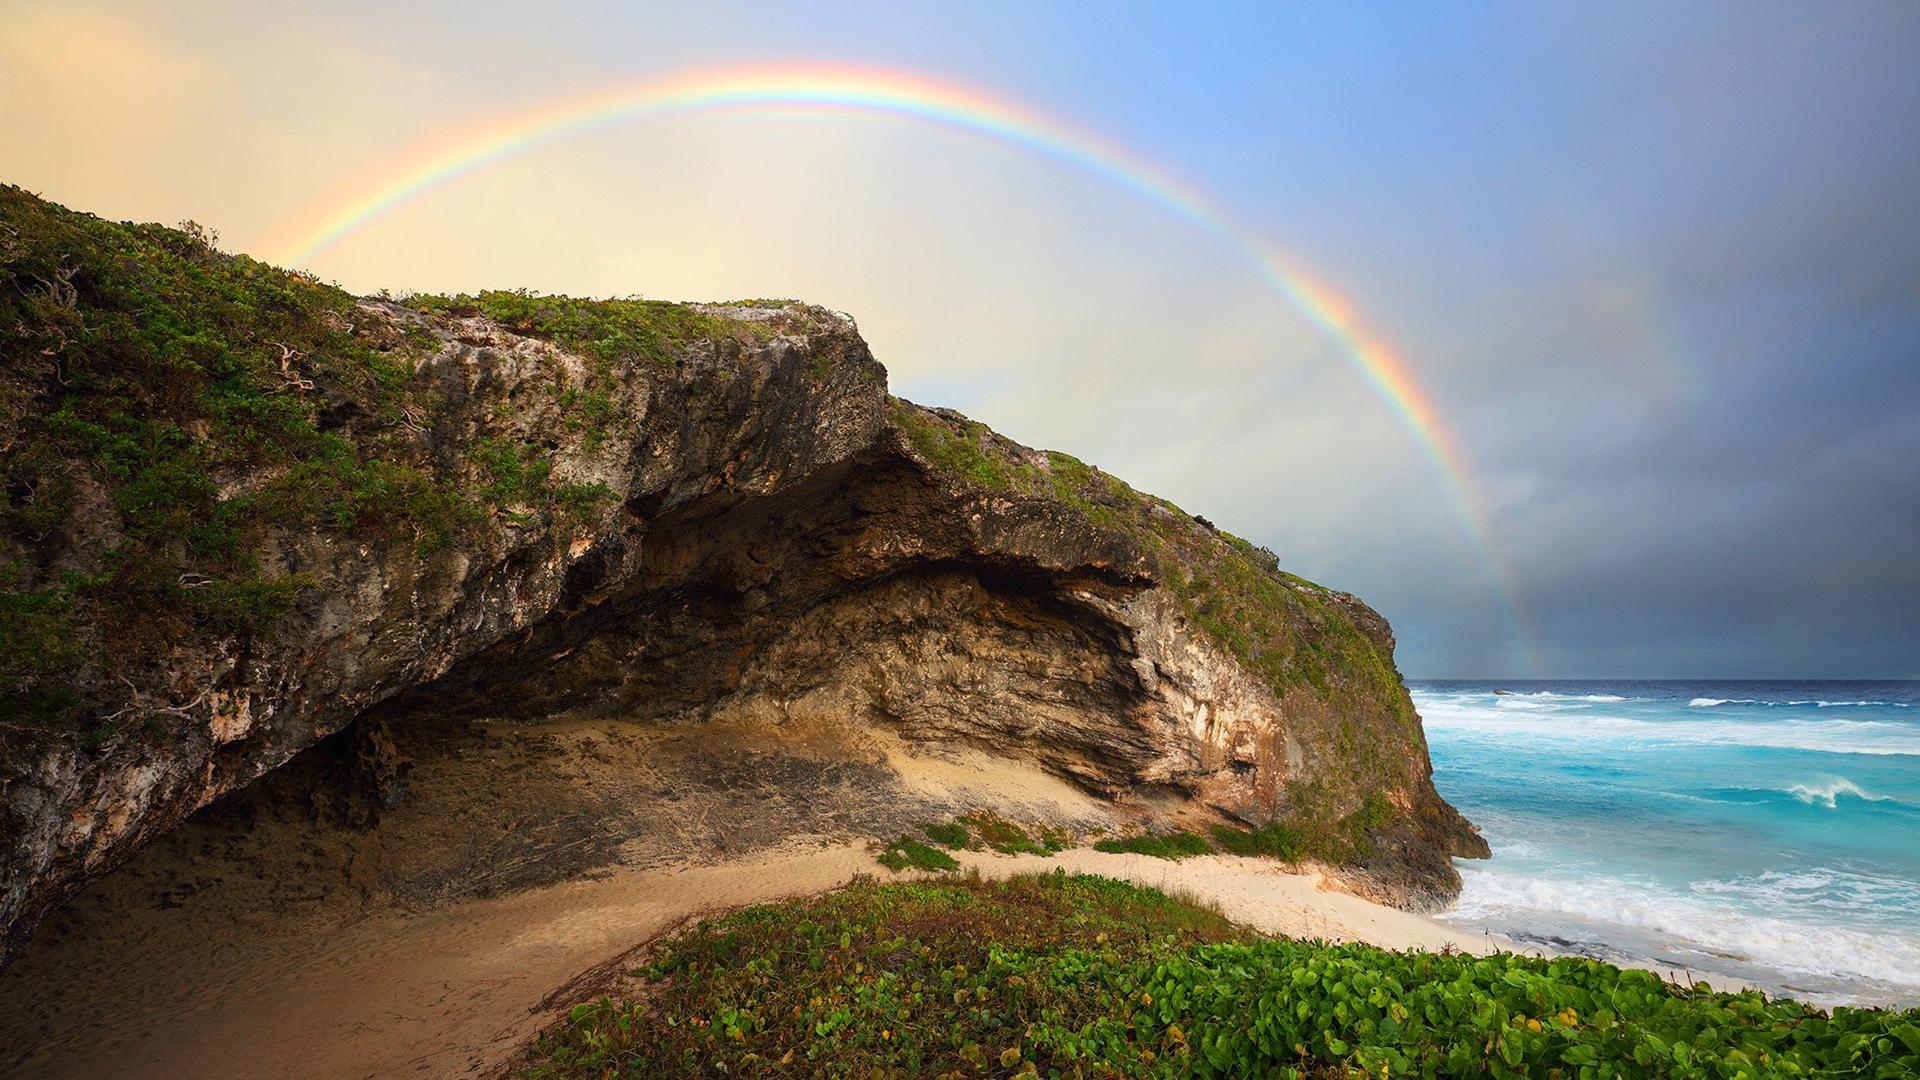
1767	832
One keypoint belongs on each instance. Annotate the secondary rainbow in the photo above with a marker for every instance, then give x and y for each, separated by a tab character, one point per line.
839	88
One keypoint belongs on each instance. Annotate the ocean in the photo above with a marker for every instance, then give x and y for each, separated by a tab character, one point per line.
1766	832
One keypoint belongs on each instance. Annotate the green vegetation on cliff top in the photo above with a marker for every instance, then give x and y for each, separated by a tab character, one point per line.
165	406
168	407
1290	632
1077	976
608	331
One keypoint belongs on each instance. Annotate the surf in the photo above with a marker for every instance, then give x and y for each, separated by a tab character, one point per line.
1748	831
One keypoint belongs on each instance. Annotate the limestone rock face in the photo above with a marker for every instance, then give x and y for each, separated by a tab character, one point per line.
768	536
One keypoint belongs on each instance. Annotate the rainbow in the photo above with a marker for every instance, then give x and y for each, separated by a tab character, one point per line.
439	162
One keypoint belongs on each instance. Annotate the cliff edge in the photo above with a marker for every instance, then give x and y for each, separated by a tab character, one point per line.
246	509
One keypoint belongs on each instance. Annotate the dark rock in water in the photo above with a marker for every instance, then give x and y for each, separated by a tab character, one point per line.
1505	693
534	506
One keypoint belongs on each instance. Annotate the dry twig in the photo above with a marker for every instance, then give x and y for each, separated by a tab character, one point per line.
291	374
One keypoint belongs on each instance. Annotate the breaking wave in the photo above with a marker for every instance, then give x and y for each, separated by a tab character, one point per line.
1542	721
1710	703
1700	925
1828	791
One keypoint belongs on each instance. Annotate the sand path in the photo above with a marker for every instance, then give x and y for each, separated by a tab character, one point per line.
1256	893
239	946
457	991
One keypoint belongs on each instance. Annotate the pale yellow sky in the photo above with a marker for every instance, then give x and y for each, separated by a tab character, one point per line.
1049	303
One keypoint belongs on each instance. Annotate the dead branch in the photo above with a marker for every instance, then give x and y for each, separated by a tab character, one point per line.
288	372
60	288
56	350
145	705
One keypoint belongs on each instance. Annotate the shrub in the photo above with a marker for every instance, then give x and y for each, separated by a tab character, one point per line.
607	330
1054	838
1177	845
143	363
952	834
1275	841
1002	835
908	853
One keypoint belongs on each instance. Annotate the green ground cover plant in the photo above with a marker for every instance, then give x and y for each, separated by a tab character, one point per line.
143	364
1275	841
1174	845
906	853
952	834
1009	838
628	328
1072	975
985	831
980	831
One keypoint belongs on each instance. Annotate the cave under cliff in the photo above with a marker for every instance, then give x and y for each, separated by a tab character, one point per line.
567	559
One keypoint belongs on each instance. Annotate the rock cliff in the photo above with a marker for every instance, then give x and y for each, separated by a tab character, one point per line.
244	509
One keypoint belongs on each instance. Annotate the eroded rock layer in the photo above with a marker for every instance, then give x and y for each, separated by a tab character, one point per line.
521	507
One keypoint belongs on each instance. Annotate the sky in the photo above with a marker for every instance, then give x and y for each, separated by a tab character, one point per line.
1654	269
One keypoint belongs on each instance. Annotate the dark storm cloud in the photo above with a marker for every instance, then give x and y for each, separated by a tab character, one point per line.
1730	485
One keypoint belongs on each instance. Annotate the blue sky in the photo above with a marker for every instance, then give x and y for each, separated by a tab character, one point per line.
1657	265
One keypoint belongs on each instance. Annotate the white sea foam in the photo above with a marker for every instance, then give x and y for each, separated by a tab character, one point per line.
1507	848
1688	797
1855	894
1697	923
1566	697
1531	705
1544	722
1710	703
1827	792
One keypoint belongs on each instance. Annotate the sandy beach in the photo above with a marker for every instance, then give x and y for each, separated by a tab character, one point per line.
457	991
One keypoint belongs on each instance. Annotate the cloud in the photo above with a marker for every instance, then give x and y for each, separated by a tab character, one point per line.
1656	271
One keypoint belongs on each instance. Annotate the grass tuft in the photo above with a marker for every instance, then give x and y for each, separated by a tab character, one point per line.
1275	841
1176	845
952	834
1004	836
907	853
